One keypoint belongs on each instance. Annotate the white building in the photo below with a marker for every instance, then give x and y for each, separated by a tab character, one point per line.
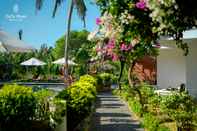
173	68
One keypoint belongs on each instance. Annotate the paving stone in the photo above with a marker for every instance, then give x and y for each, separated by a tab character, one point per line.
112	114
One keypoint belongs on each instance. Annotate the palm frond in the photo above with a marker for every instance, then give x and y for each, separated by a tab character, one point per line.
39	4
81	9
57	4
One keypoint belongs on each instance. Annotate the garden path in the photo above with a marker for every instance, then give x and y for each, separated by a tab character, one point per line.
112	114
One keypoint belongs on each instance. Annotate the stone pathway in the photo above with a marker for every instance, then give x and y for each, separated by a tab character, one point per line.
113	115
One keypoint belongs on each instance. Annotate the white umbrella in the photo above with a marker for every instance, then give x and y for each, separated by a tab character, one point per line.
61	61
33	62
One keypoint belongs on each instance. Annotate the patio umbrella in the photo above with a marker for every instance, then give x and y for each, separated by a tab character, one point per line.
33	62
12	44
61	61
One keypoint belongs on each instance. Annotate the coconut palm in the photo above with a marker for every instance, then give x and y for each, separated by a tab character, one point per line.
81	9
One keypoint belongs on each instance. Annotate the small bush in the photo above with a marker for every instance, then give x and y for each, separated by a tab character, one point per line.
17	104
136	107
17	107
80	97
152	123
23	109
89	79
105	80
181	108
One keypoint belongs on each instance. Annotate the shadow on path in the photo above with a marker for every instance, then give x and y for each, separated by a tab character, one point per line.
112	115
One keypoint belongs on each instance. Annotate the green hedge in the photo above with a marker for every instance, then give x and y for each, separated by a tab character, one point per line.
23	109
80	97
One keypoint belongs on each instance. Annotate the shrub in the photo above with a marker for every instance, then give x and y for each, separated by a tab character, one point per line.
89	79
106	78
136	107
80	97
43	104
181	108
104	81
23	109
17	106
152	123
146	92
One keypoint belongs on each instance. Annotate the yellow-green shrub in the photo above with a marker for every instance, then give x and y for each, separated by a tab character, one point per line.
89	79
23	109
80	97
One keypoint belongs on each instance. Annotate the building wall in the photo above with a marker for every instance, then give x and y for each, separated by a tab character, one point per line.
191	65
171	66
145	70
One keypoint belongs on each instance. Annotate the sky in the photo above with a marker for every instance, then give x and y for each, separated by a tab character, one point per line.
40	27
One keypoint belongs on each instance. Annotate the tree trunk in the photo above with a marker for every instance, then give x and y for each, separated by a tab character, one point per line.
67	39
122	64
131	82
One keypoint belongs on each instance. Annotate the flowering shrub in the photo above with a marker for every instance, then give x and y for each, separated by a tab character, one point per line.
130	29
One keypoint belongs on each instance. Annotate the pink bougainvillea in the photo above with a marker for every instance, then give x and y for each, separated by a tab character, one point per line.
111	44
98	21
141	4
115	57
125	47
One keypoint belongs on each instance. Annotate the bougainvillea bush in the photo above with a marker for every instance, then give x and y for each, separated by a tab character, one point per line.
130	29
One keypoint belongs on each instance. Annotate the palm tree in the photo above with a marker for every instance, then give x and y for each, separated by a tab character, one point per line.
81	10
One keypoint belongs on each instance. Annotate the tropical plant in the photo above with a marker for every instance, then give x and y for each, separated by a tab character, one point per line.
130	29
81	9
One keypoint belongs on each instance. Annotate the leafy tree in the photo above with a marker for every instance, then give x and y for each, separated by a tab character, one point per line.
80	50
81	9
129	30
77	39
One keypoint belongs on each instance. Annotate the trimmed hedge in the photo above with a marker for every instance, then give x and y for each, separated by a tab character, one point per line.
80	97
23	109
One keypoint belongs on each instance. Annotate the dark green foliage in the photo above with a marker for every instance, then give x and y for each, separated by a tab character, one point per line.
17	106
12	70
23	109
79	49
181	108
80	97
77	39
